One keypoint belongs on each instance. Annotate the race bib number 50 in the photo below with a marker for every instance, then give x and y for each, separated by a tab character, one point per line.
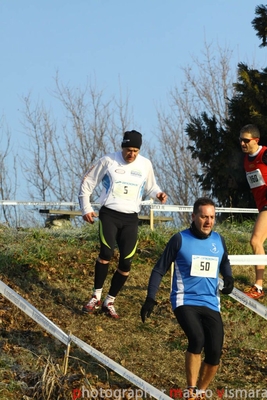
204	266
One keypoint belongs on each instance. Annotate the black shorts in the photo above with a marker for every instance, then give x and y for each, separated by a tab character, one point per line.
116	227
204	330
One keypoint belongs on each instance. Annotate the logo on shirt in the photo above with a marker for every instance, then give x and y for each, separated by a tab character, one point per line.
120	171
136	173
214	248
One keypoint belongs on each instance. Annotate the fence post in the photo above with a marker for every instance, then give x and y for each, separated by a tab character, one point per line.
151	219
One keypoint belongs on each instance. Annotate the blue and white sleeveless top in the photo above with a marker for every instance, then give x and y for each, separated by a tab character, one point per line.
196	270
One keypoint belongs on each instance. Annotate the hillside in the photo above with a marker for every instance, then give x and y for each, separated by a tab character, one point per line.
53	270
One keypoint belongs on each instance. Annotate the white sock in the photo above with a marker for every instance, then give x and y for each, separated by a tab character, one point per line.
258	287
98	293
109	299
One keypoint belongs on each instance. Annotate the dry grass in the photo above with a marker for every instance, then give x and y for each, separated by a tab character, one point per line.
54	272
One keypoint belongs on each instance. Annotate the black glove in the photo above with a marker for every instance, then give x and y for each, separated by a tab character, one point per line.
228	284
147	308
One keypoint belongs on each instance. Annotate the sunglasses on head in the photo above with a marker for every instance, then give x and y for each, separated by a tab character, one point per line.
246	140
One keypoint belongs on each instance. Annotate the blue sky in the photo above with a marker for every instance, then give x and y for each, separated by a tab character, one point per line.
138	44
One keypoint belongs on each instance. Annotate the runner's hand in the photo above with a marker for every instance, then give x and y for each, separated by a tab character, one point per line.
228	284
147	308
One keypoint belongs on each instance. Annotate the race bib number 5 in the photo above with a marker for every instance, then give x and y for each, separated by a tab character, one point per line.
125	190
204	266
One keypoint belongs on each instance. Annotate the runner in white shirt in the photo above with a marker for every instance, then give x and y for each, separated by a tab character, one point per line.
127	178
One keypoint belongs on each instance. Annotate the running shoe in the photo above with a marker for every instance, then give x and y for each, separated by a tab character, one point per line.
92	305
254	293
110	311
190	393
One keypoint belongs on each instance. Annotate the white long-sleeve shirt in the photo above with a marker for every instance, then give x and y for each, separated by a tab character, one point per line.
125	185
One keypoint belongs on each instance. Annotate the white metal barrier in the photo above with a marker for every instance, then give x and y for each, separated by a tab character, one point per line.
252	304
166	207
241	297
55	331
53	203
154	207
250	259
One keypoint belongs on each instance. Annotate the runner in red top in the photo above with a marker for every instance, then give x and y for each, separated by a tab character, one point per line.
255	164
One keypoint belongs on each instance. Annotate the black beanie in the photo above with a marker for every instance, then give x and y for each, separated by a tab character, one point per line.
132	139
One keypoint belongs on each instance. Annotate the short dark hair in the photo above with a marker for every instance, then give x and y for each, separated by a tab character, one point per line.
252	129
202	201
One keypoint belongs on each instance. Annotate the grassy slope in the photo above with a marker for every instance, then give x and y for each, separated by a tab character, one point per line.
53	270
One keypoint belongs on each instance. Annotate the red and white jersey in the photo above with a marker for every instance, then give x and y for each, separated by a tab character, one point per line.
124	185
256	172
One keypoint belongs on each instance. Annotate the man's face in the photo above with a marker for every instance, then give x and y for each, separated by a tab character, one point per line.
204	219
248	144
129	153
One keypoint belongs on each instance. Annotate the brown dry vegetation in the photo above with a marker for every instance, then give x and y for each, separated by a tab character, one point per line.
53	270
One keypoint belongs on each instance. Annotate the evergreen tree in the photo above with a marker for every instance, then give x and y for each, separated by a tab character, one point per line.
259	23
218	150
217	147
248	106
216	144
